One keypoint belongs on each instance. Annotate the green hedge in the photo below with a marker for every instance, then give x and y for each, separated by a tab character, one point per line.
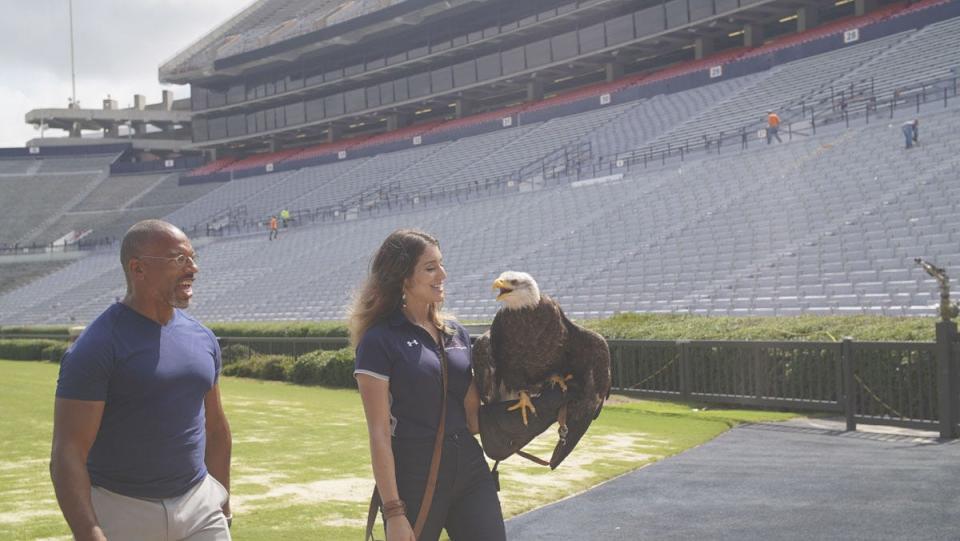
54	352
235	352
804	328
269	367
311	329
329	368
647	326
39	331
813	328
32	350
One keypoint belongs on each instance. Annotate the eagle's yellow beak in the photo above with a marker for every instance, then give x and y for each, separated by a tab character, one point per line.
504	288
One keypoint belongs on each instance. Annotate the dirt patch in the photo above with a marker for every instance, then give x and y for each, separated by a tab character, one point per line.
617	399
252	439
349	489
265	478
524	483
348	523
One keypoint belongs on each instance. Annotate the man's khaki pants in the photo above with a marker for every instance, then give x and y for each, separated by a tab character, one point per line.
195	515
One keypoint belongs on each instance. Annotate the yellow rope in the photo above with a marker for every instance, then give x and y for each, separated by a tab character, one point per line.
655	374
877	398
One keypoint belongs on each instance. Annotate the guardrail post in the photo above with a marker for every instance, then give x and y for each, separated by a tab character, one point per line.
616	352
685	375
849	385
947	378
760	376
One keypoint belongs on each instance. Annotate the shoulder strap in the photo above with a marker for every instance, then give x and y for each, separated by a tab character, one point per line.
434	462
437	446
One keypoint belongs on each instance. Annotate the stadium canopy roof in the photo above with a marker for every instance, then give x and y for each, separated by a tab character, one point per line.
294	27
272	33
296	36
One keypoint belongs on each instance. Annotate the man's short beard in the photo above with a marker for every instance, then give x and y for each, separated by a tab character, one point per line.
177	303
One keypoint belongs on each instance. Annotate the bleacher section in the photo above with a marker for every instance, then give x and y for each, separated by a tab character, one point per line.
116	192
40	208
473	159
827	222
781	87
14	275
660	114
928	54
169	191
44	191
19	166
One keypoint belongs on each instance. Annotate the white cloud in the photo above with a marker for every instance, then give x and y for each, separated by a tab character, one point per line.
119	46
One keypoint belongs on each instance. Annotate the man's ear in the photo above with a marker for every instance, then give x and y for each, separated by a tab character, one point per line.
135	267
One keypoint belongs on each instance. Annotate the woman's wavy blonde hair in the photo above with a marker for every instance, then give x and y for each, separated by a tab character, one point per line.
382	291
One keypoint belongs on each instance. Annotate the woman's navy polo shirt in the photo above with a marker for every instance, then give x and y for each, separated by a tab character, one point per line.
405	354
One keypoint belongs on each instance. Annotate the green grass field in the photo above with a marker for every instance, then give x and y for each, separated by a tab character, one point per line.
300	459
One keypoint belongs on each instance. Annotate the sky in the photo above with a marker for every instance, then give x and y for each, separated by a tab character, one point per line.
119	44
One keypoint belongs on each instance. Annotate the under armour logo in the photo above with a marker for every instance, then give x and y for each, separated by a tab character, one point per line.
411	343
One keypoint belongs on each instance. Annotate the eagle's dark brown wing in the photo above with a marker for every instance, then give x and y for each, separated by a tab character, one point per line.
587	359
484	371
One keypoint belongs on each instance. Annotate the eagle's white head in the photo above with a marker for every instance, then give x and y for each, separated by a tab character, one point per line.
517	290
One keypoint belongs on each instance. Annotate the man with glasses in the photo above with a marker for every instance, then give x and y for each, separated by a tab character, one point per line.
141	446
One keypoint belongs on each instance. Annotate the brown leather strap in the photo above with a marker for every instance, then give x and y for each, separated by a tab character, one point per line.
437	447
372	514
533	458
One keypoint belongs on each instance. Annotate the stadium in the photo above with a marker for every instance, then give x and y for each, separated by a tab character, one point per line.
635	183
619	151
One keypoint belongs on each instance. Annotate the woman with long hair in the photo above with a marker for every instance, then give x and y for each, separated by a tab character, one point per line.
400	337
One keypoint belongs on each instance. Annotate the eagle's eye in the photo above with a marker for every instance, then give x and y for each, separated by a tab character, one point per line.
514	282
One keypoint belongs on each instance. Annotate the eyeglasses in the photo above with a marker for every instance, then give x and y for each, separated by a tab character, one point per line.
180	260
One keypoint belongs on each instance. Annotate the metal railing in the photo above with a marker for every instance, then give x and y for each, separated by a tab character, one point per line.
893	383
801	119
910	384
558	167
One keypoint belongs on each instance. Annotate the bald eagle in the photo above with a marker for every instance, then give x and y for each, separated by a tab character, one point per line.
532	344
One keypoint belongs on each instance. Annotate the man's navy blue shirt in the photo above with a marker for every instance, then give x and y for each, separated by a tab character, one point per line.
153	379
404	354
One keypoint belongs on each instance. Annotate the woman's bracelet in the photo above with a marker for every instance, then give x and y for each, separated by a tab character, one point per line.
394	508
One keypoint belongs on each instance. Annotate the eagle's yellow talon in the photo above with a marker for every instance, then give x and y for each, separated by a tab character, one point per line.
561	382
523	405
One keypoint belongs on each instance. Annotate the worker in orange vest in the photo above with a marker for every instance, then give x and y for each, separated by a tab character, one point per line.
773	126
273	227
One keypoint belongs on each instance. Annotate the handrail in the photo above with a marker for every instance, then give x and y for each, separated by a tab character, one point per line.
804	112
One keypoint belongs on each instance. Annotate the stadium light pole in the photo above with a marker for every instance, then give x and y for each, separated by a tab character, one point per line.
73	67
